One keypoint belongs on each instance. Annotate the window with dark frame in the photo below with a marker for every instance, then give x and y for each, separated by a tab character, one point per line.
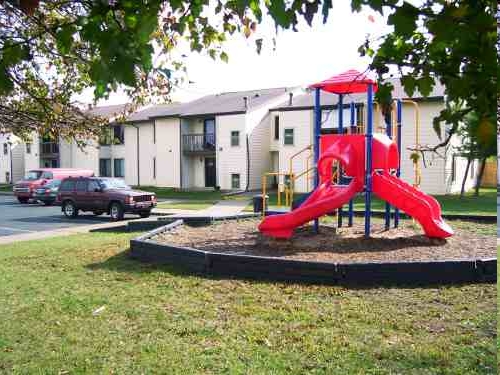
154	167
235	138
5	150
118	135
235	181
28	148
276	128
288	137
119	167
154	132
105	167
453	168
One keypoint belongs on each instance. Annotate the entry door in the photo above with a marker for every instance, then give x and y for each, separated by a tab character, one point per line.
210	172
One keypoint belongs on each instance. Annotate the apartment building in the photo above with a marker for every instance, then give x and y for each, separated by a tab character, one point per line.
218	141
229	140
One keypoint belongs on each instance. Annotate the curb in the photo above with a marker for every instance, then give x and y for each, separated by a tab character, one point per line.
210	264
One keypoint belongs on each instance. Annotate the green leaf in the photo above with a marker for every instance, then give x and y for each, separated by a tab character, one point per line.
409	83
224	57
404	19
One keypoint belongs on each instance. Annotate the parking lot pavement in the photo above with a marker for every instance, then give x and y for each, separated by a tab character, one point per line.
16	218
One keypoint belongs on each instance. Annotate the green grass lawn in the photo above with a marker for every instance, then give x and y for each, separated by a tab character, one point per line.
187	204
451	204
170	193
149	319
6	187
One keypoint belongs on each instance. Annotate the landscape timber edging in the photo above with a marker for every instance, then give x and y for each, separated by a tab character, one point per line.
212	264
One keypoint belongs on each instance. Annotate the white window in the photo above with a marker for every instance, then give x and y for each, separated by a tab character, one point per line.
288	137
235	138
235	181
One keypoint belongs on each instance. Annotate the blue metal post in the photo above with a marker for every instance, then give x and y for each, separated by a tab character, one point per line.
368	175
353	126
340	109
388	131
316	137
399	110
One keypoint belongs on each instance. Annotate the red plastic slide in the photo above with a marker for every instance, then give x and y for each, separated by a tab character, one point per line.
422	207
325	199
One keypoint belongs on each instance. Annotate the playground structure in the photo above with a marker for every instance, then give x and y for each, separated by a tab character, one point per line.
347	164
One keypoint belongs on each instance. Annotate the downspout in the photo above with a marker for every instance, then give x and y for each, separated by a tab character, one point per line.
248	162
138	159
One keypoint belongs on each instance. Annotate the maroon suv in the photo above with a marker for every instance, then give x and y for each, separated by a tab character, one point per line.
103	195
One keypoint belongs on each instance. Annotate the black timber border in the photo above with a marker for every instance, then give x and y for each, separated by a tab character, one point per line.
212	264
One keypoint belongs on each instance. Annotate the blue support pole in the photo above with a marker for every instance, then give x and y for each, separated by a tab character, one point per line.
353	126
368	174
340	109
388	132
316	137
399	111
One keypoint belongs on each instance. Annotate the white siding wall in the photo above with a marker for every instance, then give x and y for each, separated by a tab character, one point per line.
302	123
230	159
168	152
454	178
4	160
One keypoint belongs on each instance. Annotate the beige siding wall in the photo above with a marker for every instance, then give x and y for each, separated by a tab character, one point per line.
230	159
72	156
32	160
260	156
18	153
302	123
168	152
192	166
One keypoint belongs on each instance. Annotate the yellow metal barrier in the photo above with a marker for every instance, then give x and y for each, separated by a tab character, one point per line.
285	188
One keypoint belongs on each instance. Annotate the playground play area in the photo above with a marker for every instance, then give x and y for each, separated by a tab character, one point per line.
312	228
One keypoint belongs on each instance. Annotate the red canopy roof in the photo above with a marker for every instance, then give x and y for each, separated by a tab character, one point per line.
348	82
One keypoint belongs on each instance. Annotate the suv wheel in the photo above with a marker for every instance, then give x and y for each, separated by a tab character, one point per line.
116	211
145	214
70	209
22	200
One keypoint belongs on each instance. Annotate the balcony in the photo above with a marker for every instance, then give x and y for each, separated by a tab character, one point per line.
198	143
49	149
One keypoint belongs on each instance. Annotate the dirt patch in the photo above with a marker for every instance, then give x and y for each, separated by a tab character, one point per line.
406	243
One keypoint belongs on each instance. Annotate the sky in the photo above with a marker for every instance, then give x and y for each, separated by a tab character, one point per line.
301	58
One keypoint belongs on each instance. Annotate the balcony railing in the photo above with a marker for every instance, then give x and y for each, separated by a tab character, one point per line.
49	148
198	143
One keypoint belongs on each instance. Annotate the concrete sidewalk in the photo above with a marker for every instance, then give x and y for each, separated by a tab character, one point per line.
60	232
222	208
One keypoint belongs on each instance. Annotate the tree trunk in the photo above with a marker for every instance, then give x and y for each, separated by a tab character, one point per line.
464	180
480	176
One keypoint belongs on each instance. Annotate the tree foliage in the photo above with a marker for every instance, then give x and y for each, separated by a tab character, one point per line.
50	50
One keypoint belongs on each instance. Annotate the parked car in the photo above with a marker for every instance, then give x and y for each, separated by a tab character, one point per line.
24	190
47	194
103	195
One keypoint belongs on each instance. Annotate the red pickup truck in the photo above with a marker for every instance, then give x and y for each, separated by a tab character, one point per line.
25	189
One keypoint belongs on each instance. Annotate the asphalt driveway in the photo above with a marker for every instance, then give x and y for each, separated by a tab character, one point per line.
16	218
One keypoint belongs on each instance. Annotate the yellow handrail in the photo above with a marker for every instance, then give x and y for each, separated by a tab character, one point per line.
264	189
